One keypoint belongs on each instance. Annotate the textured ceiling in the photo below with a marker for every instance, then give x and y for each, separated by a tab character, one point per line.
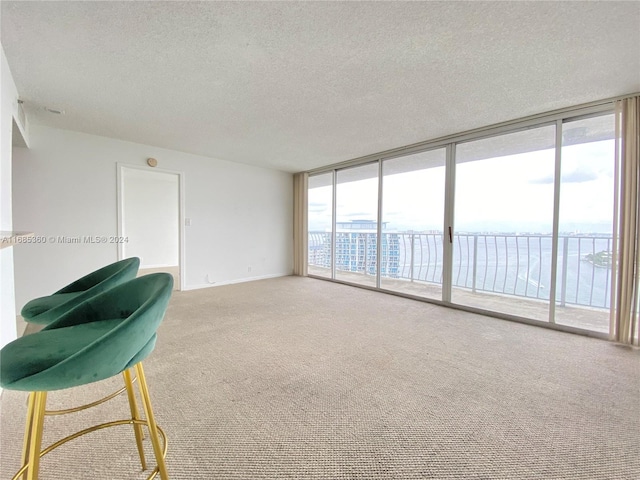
294	86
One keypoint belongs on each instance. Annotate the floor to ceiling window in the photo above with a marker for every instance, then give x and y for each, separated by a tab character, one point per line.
583	287
491	221
503	223
413	189
320	224
356	241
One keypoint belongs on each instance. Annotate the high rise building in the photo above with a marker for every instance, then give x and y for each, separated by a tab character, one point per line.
357	248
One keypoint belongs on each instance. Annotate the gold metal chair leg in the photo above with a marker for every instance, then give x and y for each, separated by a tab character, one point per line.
153	429
133	406
27	431
35	440
89	405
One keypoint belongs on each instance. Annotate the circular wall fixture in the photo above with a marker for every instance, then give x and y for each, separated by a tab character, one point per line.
152	162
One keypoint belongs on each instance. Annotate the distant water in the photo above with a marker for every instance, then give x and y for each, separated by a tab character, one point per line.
517	265
503	263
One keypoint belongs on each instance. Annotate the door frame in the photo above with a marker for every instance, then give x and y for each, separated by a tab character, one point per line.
181	214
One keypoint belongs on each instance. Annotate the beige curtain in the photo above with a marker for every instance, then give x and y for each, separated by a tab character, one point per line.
626	288
300	235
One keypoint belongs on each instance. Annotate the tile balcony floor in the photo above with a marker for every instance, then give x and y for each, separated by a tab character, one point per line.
593	319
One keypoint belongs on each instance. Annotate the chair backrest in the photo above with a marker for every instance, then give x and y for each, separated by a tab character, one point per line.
105	277
86	287
137	308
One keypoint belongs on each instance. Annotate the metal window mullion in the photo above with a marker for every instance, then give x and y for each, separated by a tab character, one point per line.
334	182
556	223
379	229
447	244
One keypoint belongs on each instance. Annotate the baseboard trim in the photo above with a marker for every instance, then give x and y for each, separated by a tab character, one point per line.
239	280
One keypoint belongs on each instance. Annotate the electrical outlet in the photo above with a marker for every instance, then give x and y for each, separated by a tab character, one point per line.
249	269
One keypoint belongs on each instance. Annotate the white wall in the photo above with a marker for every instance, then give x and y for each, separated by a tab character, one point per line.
8	114
65	185
151	217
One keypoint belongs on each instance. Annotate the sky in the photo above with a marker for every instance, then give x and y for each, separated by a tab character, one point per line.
511	193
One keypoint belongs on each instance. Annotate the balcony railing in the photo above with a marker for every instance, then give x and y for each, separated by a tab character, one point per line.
507	264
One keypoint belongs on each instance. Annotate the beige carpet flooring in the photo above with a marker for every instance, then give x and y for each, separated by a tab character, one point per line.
305	379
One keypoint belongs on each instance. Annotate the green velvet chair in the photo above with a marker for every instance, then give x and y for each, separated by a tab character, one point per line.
101	337
45	310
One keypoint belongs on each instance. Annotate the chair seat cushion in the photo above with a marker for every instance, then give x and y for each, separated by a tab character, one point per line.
35	353
38	306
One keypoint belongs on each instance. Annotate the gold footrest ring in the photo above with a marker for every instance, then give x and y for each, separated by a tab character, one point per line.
89	405
94	429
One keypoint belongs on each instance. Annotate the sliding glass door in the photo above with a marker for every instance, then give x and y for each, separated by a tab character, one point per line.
413	189
503	223
517	223
585	244
356	229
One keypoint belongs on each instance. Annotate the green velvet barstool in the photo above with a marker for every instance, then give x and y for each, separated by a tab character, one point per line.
103	336
44	310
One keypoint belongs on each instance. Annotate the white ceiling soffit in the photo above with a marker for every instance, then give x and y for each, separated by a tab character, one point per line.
295	86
